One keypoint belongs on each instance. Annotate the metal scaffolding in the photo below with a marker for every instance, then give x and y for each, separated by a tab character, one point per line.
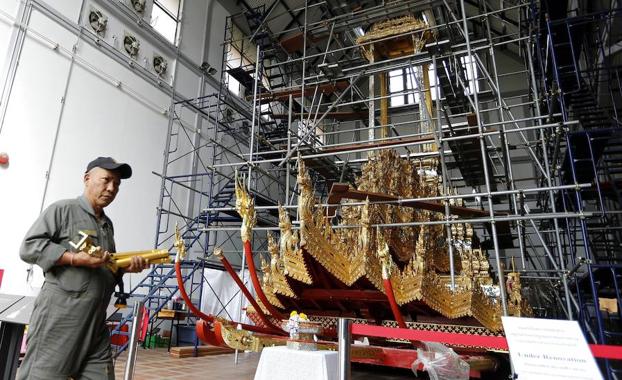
524	120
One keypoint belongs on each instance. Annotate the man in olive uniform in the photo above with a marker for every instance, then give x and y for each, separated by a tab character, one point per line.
67	335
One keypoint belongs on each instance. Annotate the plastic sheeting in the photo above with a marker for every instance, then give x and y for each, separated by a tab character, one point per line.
441	362
221	296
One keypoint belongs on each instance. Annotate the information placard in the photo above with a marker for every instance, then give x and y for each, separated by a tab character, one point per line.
549	349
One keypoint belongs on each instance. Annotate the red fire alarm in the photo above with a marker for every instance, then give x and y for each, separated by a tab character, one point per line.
4	158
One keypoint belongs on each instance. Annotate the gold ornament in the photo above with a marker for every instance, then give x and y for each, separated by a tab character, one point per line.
292	258
421	250
245	206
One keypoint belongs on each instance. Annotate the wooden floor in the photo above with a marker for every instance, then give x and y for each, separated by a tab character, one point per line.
158	364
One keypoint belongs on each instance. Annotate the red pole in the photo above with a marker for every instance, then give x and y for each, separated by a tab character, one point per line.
254	278
388	288
208	317
249	296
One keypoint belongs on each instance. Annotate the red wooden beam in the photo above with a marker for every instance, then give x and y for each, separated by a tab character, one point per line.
330	115
397	314
404	358
249	296
248	253
489	342
208	318
321	275
295	42
343	295
341	191
326	88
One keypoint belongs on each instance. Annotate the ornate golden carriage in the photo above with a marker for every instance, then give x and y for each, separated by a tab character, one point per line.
394	254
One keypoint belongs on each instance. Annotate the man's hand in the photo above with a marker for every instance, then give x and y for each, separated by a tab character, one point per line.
138	264
83	259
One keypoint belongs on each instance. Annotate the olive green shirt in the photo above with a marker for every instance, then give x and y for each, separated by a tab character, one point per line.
49	238
68	334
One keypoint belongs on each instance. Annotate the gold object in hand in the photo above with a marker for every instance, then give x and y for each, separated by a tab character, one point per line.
121	259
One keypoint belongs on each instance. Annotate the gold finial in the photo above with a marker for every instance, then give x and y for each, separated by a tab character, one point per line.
303	178
284	222
245	206
364	233
384	255
179	245
273	247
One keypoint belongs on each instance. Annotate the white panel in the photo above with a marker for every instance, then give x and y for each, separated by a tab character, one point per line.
27	136
124	74
194	17
9	7
42	25
187	82
216	35
100	120
6	32
220	284
69	8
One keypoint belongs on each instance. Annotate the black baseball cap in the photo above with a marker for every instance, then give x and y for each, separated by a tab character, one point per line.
109	163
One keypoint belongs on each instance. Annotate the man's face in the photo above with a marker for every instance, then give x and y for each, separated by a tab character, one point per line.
101	186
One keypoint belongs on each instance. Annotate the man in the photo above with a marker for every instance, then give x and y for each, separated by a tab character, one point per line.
67	335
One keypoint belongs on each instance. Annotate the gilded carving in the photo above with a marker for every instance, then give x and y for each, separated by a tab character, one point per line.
293	261
414	257
245	206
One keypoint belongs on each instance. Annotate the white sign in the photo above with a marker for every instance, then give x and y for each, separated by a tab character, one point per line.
549	349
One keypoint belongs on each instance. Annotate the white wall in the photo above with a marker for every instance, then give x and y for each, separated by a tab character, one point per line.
8	12
63	110
214	33
27	135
